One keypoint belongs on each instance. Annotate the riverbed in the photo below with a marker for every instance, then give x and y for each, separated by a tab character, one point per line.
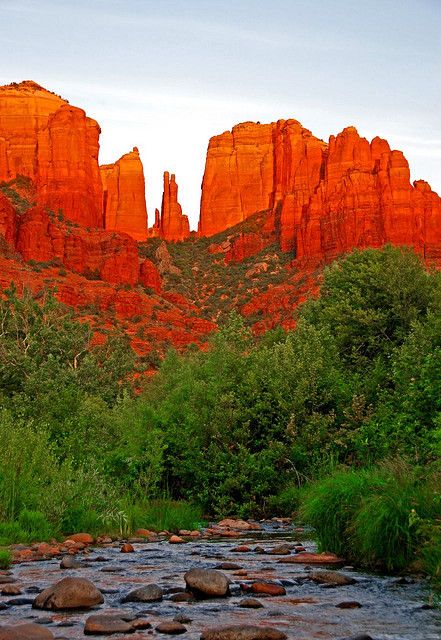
384	607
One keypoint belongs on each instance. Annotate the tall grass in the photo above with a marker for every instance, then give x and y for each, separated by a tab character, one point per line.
5	558
387	517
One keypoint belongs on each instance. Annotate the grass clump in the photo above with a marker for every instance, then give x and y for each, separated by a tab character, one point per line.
384	517
5	558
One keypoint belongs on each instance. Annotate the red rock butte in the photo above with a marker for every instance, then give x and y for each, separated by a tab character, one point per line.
124	206
326	198
56	145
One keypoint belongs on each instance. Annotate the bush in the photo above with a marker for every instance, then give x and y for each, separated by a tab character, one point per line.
285	503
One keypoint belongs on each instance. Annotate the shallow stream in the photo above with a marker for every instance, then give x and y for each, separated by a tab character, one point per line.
391	608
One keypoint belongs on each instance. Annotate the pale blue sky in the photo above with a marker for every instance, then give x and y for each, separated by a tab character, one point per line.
166	75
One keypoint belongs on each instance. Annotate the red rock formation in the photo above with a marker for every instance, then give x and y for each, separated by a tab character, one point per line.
253	168
238	178
365	199
124	203
149	276
326	199
155	231
96	253
56	145
174	225
8	221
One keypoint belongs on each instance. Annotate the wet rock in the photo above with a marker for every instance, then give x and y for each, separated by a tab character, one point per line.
85	538
242	548
33	589
69	562
228	566
331	577
207	583
144	533
312	558
259	549
243	632
349	604
238	525
281	550
265	588
182	618
172	628
7	579
140	625
149	593
127	548
69	593
250	603
176	540
11	590
102	624
20	602
182	596
28	631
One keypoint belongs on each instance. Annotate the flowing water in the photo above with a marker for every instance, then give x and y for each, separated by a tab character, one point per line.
391	608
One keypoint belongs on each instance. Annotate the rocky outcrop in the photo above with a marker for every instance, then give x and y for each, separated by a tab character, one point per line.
8	221
174	226
124	205
56	145
149	276
365	199
98	254
325	199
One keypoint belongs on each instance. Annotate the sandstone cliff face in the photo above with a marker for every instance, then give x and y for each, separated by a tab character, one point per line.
325	199
253	168
56	145
171	224
124	205
366	200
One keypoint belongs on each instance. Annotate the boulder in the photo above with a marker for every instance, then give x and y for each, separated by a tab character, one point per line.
331	577
105	624
69	593
149	593
207	583
28	631
171	627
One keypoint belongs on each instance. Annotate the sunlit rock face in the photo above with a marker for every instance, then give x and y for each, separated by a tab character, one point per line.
54	144
326	198
171	224
124	205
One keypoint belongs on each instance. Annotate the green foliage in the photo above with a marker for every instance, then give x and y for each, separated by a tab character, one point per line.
241	426
386	516
5	559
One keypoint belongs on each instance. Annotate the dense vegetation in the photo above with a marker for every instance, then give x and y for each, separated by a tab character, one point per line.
348	404
214	287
